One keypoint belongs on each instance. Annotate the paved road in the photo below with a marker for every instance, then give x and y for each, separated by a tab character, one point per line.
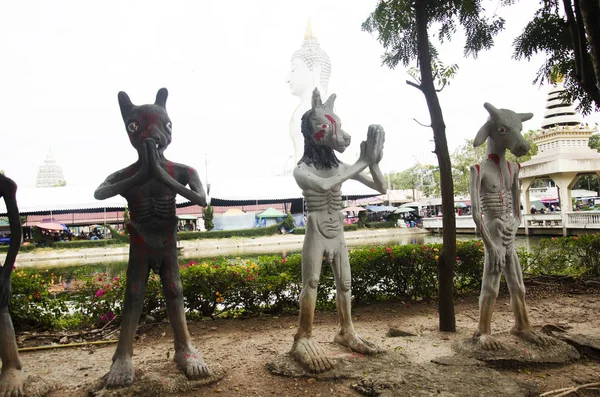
213	247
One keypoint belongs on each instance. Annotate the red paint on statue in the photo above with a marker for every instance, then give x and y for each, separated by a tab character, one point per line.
495	158
478	168
320	135
171	168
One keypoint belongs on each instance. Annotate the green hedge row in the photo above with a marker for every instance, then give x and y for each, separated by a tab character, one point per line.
347	228
380	225
249	286
261	231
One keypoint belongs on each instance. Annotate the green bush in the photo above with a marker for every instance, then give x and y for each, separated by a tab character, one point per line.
380	225
255	232
250	286
117	236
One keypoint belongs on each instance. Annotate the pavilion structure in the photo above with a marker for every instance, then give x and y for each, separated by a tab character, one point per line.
563	156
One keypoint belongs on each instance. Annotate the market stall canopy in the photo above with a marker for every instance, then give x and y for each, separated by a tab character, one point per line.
52	226
404	210
354	209
187	217
413	204
233	212
459	204
538	205
270	213
381	208
4	225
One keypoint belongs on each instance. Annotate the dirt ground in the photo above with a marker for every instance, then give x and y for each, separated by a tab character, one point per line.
242	348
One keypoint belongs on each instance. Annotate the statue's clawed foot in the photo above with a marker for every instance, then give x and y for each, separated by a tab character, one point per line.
534	337
311	355
191	363
12	382
486	342
121	373
358	344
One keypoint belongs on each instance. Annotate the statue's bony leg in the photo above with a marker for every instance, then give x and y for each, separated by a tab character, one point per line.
490	284
516	288
122	372
346	335
12	377
306	350
188	359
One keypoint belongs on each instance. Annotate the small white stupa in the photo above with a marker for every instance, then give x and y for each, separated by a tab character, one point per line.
50	174
563	152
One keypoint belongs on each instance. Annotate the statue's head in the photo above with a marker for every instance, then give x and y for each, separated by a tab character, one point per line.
147	121
322	126
504	128
310	67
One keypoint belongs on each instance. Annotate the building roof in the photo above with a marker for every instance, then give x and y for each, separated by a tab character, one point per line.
261	189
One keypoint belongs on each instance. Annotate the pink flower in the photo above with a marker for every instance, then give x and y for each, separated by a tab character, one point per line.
100	293
284	260
116	279
458	258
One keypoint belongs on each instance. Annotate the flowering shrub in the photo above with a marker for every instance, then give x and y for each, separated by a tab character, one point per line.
249	286
31	305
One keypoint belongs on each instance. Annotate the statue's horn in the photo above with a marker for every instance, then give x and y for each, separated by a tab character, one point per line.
316	99
491	109
525	116
329	103
161	98
125	104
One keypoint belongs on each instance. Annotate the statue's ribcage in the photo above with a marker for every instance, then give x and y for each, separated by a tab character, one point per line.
497	203
152	207
330	201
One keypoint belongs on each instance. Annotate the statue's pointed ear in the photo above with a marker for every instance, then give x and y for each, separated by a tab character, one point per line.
482	134
125	104
161	98
316	99
491	110
525	116
329	103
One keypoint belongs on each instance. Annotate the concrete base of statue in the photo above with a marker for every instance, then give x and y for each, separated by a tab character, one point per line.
517	352
157	379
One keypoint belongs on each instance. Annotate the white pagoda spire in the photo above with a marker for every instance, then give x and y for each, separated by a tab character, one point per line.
50	174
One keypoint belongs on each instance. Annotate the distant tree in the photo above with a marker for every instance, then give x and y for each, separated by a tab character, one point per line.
60	183
126	219
568	33
424	178
402	27
288	221
594	142
208	218
2	172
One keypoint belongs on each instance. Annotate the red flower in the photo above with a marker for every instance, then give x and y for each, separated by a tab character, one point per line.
458	258
372	249
284	260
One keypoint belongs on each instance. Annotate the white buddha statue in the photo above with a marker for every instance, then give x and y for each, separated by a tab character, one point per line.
310	68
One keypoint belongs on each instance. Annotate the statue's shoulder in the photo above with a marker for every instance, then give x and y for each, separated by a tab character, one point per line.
476	168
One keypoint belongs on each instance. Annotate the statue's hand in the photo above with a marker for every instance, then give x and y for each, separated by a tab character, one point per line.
374	145
153	158
5	289
496	257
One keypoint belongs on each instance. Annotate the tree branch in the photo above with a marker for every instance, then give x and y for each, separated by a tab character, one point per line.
441	88
417	86
421	124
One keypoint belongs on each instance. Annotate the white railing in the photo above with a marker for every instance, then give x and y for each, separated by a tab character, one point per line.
543	220
584	219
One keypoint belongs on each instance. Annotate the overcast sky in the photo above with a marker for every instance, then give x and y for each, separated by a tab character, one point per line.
225	64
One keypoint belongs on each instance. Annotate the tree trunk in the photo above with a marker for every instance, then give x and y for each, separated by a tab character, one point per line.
448	258
590	13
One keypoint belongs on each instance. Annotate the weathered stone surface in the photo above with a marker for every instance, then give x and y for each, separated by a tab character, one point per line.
37	387
395	332
586	345
391	374
159	380
517	352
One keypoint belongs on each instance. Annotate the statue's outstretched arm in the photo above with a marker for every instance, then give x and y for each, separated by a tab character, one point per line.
8	189
120	181
307	179
196	194
375	181
495	253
